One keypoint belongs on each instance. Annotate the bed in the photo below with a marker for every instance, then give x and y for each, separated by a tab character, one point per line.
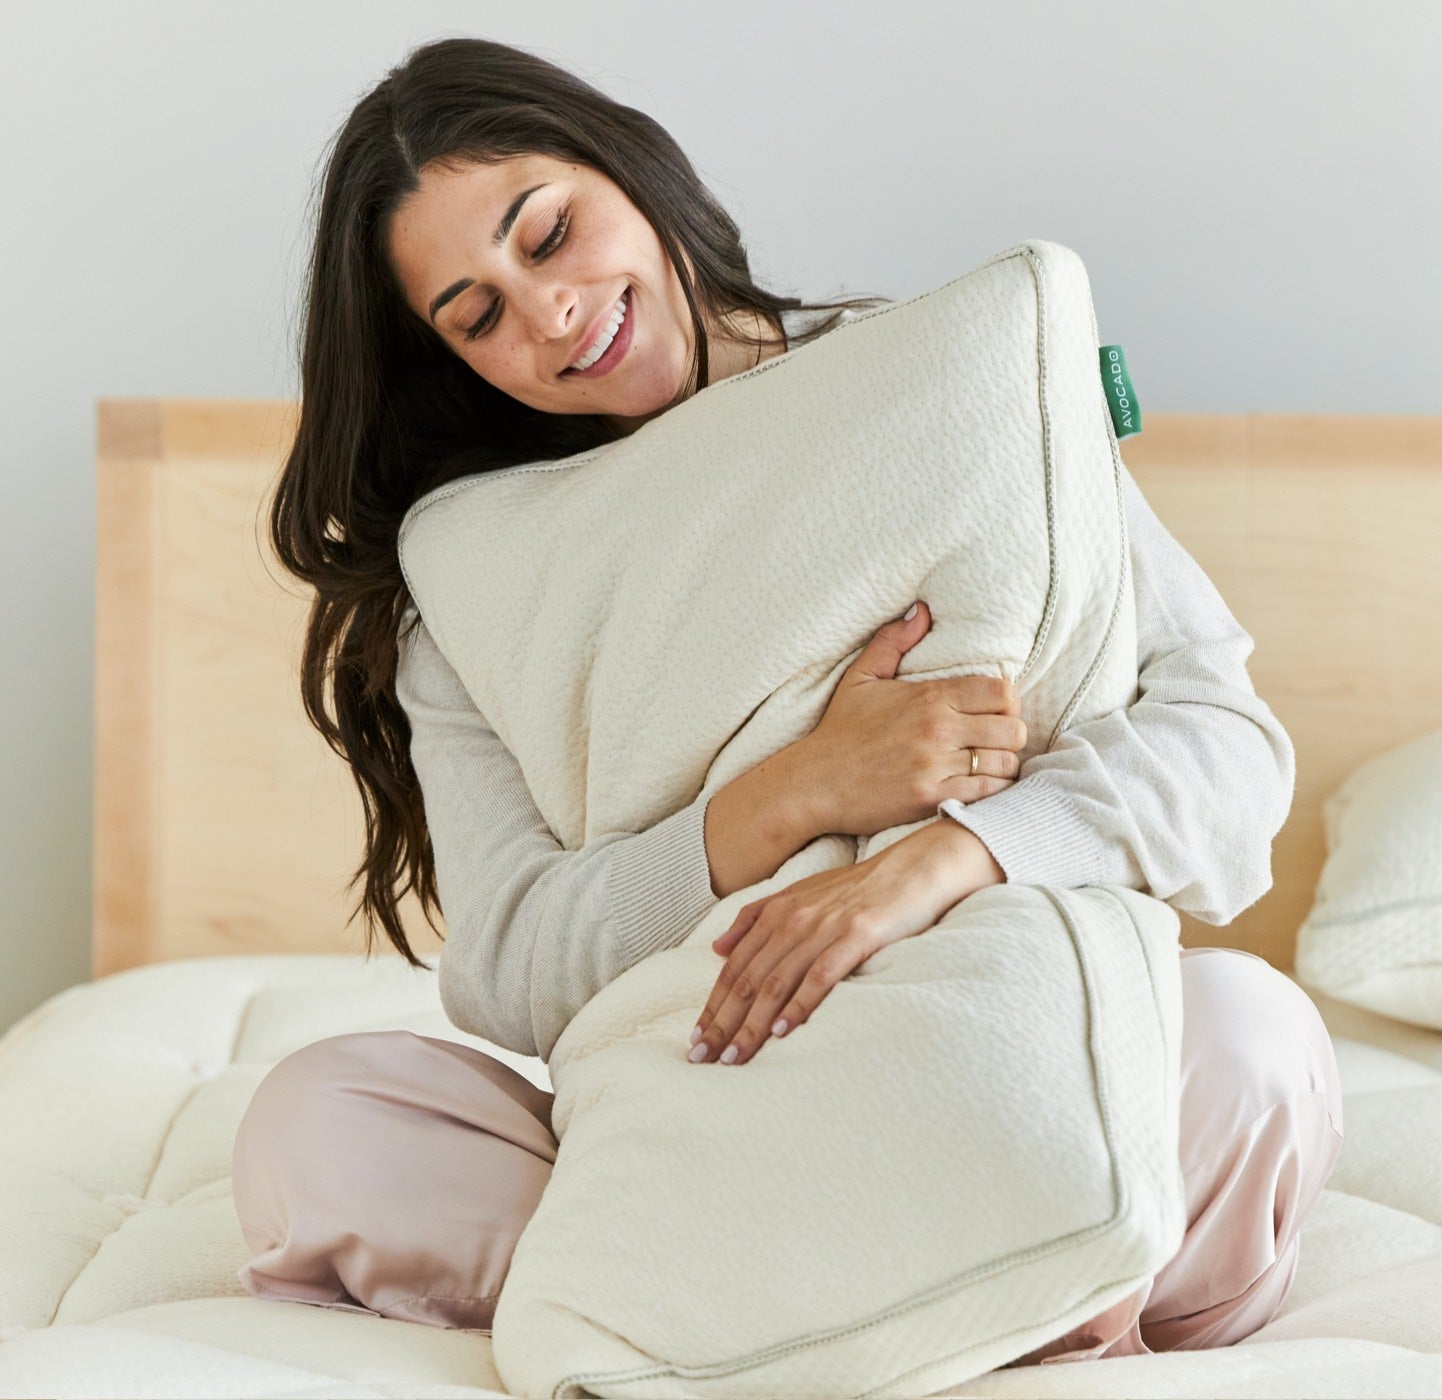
225	834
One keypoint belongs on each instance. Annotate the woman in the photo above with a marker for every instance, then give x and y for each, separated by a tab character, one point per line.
508	267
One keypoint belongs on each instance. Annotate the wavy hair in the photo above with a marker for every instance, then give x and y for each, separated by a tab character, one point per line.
389	411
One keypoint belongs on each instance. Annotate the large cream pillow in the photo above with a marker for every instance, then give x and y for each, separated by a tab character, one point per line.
971	1146
1373	936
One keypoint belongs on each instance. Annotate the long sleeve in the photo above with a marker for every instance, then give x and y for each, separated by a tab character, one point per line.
533	931
1178	795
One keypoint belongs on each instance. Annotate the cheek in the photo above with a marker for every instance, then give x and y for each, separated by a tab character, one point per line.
475	359
506	367
610	245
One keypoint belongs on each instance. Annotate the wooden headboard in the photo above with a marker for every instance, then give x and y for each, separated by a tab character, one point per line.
223	824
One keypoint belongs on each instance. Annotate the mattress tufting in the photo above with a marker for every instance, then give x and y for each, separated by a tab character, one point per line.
120	1100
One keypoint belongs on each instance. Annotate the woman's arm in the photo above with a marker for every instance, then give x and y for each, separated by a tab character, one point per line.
534	931
1180	794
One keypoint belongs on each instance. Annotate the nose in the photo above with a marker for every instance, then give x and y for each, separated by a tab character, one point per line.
551	312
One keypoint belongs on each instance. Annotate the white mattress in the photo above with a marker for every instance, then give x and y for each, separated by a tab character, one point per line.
119	1244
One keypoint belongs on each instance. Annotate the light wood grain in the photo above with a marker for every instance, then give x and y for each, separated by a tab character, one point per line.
223	824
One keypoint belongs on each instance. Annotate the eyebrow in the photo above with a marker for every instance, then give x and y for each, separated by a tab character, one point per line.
503	229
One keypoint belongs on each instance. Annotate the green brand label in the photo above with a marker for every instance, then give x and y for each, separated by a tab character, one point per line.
1121	397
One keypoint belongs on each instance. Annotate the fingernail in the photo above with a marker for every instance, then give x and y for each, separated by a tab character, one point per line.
698	1054
728	1055
910	613
697	1033
779	1028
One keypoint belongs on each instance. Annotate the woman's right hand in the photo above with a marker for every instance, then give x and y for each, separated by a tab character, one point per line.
887	751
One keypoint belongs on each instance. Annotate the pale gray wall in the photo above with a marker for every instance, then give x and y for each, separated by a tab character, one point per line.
1253	186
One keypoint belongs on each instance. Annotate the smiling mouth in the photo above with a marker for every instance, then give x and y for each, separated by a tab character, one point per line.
616	350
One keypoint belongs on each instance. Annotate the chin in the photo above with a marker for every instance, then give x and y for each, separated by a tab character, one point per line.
644	402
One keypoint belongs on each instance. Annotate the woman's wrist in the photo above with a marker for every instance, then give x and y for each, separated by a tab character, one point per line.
760	819
955	857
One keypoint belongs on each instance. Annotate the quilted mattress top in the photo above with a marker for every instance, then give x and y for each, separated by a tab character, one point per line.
120	1099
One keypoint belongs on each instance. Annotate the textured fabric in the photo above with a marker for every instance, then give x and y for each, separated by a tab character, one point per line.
1373	935
402	1169
637	681
1027	1158
121	1098
1261	1128
1178	794
1181	792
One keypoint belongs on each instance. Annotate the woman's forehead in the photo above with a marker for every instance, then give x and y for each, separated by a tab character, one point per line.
476	197
460	170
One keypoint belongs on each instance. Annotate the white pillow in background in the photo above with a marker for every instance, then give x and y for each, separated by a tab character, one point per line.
1373	936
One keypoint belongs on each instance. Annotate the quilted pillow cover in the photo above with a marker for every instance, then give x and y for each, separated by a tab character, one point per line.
1373	936
972	1145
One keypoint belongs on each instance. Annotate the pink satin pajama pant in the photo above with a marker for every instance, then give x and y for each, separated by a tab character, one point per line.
392	1173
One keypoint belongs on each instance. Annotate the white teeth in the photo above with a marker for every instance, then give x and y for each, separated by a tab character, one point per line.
603	344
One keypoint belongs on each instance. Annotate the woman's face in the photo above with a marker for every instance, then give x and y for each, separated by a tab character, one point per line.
519	285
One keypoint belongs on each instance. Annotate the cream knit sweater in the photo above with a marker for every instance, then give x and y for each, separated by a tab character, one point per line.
1179	795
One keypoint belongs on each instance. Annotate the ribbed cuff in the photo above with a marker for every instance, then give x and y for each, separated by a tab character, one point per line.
1036	832
660	882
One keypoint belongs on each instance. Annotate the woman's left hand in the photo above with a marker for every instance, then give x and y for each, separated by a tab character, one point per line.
785	952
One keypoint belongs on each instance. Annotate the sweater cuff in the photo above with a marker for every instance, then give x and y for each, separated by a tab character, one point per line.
1036	832
660	882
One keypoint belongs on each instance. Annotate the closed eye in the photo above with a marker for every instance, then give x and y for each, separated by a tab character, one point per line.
554	239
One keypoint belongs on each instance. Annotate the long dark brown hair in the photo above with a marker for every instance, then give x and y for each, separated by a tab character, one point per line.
389	411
